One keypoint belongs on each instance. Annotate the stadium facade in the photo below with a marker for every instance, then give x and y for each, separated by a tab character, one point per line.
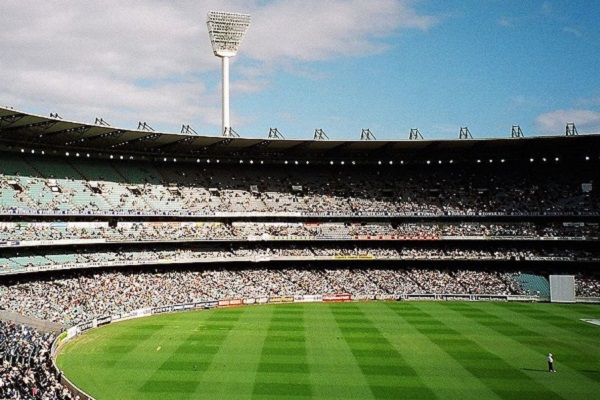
78	197
174	191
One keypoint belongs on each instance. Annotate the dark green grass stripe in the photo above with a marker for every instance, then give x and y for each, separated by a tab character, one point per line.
283	370
389	376
127	342
480	366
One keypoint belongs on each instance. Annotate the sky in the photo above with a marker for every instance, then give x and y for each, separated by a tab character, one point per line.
336	65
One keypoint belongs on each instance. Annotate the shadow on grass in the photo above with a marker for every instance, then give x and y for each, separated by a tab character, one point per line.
587	371
534	369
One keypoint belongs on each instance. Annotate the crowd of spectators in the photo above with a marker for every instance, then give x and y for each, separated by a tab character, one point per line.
26	370
82	186
218	231
73	297
70	298
96	257
588	284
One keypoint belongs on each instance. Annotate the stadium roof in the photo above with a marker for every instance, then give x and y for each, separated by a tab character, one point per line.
24	130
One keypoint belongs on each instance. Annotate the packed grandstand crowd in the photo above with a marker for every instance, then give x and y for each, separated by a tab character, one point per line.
55	259
38	185
26	370
74	297
213	231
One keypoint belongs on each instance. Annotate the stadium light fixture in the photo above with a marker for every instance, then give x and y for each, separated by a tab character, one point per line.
226	31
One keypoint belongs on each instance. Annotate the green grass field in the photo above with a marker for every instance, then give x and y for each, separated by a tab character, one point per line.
391	350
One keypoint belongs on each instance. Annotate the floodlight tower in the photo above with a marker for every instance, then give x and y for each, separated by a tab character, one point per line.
226	31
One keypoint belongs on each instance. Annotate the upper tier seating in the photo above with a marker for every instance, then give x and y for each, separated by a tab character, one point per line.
43	184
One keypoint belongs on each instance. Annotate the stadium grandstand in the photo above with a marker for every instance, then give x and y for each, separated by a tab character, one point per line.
97	222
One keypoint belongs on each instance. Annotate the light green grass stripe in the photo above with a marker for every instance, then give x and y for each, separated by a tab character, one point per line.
334	371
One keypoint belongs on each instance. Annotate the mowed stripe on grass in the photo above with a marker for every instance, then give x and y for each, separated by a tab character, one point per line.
387	350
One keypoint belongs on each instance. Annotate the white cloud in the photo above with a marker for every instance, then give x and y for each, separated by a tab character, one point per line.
128	60
572	31
305	30
505	21
547	8
589	101
555	121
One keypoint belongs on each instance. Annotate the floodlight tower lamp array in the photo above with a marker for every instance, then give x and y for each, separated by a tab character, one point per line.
226	31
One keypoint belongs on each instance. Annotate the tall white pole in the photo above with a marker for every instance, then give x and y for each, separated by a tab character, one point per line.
225	95
226	31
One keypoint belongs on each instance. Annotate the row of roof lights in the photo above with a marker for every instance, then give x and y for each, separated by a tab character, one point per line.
286	162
